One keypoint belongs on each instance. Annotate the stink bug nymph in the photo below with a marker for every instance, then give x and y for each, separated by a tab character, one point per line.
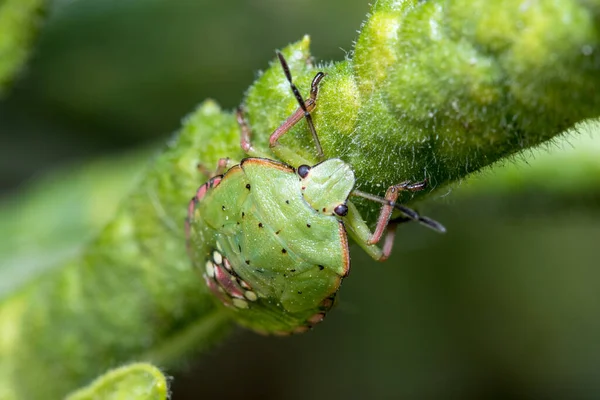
271	239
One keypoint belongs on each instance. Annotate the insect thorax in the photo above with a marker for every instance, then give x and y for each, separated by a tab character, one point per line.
328	185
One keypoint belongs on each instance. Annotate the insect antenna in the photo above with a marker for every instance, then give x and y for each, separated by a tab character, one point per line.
310	103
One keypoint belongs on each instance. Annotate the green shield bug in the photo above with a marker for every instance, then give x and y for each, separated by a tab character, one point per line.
271	238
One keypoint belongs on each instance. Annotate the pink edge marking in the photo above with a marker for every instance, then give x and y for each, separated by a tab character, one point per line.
201	192
228	282
191	209
214	182
227	265
188	225
268	163
315	319
214	288
326	304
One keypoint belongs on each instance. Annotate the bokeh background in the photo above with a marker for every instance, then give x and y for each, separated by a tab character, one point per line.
506	305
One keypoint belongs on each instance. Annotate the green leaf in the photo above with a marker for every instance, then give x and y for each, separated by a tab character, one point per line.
132	382
19	24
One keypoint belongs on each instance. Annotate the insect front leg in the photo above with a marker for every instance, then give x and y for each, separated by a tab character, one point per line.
285	154
361	232
391	195
303	112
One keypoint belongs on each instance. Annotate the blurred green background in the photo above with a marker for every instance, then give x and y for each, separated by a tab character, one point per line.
506	305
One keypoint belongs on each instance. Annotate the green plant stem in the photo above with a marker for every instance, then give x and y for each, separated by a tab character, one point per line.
437	90
131	295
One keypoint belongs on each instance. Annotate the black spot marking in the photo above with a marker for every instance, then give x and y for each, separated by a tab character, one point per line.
299	292
321	267
248	186
223	208
324	209
260	225
285	275
308	225
223	226
247	262
277	233
287	202
283	251
238	222
243	214
292	270
240	247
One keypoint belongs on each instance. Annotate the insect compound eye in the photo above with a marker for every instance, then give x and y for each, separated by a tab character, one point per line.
303	170
341	210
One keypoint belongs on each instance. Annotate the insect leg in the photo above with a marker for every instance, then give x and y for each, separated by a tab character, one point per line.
389	203
391	195
245	136
361	231
302	112
222	165
358	229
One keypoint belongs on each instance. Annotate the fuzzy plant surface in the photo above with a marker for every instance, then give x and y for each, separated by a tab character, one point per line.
20	21
433	90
